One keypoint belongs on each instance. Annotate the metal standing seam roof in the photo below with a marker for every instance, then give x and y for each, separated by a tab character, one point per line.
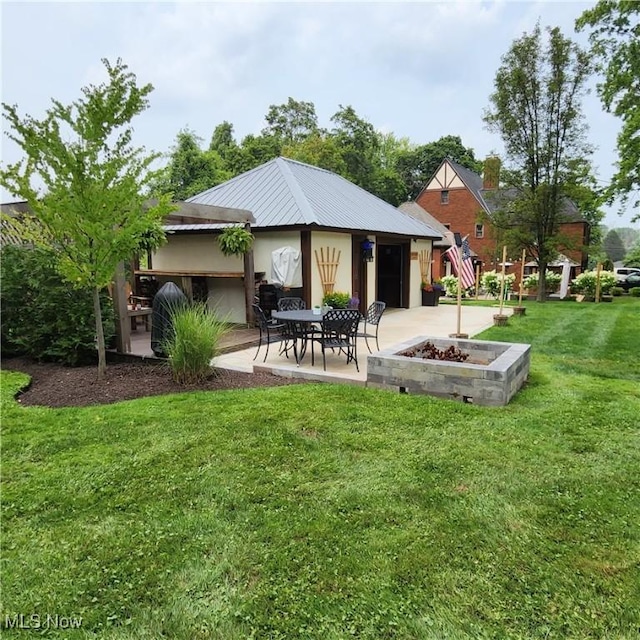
284	192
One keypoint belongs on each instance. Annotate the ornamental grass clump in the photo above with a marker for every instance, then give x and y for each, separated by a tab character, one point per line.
194	342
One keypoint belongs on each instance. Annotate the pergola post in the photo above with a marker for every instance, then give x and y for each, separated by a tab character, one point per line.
123	322
249	282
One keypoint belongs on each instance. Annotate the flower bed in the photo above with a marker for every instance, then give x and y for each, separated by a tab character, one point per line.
491	375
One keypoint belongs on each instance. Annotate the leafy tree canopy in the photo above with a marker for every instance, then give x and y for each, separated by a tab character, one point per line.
91	210
536	110
613	247
615	38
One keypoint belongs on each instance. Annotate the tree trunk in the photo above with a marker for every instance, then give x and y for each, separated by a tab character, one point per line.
102	354
542	283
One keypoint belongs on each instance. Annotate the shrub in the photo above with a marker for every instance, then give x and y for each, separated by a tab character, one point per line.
336	299
585	283
635	292
44	316
552	281
491	282
450	284
194	342
617	291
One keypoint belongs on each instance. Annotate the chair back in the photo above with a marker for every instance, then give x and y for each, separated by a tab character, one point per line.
341	323
260	315
374	312
291	304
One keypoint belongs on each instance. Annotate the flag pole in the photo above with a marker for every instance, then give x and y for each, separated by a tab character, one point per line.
504	266
459	289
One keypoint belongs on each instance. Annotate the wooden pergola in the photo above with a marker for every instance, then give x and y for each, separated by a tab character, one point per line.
187	213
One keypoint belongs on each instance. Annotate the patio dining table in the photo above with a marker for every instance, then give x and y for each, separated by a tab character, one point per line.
299	322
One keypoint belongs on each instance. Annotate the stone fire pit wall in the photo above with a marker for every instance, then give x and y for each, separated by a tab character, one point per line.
491	376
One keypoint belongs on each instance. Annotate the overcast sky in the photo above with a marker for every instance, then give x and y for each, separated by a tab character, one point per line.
416	69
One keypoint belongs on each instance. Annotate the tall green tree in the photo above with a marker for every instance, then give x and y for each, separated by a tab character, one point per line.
613	247
319	150
536	110
615	40
291	122
359	143
222	140
91	209
190	170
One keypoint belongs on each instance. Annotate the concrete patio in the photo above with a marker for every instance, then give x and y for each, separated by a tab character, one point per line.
397	326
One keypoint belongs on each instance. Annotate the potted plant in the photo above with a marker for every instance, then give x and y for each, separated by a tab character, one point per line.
235	241
336	300
431	293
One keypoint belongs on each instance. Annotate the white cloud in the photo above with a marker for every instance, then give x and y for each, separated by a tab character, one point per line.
417	69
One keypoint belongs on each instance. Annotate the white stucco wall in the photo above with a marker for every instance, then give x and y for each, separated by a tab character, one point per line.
201	253
342	244
415	293
266	243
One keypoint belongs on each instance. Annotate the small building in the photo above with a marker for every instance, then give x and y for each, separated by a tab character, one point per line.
345	239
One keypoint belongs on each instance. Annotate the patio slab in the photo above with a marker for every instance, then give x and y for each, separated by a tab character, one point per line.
397	326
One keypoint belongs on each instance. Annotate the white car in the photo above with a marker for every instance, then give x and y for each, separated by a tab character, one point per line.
623	272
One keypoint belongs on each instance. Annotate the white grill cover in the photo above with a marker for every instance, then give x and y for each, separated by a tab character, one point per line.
286	267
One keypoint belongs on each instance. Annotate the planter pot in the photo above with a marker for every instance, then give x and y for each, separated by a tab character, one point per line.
500	320
519	311
430	298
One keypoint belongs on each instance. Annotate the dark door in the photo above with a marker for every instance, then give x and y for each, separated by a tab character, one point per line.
358	272
391	267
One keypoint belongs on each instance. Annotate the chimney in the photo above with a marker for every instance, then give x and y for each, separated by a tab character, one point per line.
491	175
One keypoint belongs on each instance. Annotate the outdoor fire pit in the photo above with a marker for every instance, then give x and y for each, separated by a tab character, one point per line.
491	374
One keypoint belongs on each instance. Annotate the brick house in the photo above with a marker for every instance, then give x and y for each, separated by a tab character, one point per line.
464	201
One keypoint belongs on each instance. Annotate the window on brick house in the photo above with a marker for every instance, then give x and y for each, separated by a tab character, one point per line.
444	197
479	231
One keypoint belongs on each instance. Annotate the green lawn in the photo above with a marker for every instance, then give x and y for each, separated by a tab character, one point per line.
325	511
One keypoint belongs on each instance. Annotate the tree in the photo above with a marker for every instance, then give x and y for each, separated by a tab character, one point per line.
416	166
190	169
359	144
613	246
291	122
91	209
614	39
222	140
536	109
318	150
632	259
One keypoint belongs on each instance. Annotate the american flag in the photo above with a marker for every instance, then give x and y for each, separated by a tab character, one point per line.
468	275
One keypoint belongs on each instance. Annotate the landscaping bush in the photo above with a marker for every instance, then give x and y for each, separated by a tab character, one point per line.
450	284
337	300
617	291
44	316
491	281
585	283
194	342
552	281
635	292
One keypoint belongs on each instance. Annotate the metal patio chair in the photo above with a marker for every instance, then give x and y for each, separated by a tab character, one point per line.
291	304
267	327
338	331
372	319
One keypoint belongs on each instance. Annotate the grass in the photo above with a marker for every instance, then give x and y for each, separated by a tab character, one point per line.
327	511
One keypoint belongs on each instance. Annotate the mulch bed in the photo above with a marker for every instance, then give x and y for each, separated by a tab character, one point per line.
53	385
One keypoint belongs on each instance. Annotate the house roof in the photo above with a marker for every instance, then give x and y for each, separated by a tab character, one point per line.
415	210
285	193
493	199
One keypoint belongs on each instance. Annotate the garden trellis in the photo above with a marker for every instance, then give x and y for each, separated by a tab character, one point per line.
328	267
